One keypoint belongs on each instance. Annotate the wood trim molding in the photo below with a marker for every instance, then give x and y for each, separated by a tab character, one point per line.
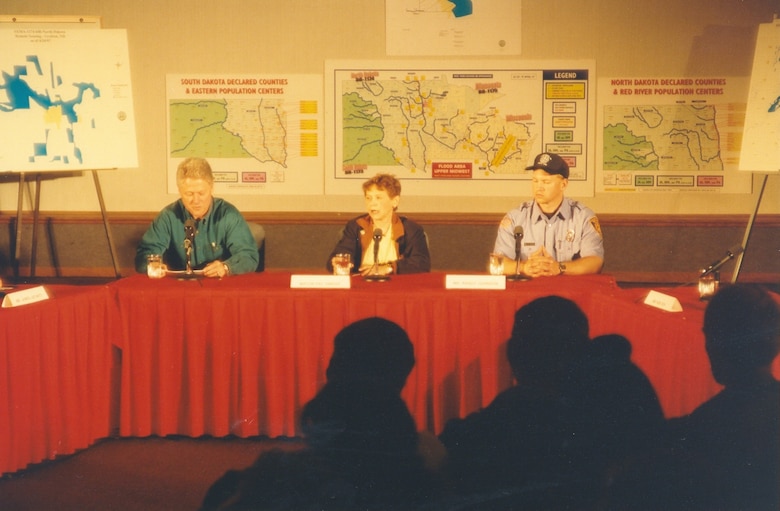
338	218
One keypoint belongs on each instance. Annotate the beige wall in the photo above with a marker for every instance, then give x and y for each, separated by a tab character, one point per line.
650	38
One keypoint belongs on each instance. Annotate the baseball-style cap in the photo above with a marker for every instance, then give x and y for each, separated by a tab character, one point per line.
550	163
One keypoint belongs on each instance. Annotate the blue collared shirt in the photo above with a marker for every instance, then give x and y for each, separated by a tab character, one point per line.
571	233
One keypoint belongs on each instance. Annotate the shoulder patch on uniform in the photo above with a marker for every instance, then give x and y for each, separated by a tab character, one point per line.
506	223
595	223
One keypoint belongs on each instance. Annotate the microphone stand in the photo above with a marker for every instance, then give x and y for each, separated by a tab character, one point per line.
188	251
189	230
373	275
731	253
518	250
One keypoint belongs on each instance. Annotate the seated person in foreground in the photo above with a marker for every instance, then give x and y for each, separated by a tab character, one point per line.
220	239
615	408
403	247
560	236
362	448
725	455
578	408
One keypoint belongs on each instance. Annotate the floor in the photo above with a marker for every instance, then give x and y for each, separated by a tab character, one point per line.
132	474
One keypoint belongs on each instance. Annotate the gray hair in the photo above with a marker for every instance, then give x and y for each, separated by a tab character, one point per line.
194	168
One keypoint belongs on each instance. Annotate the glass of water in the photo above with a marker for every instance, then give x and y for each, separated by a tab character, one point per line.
496	264
154	268
342	264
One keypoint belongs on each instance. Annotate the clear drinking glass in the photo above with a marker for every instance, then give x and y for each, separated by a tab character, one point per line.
708	285
154	267
342	264
496	264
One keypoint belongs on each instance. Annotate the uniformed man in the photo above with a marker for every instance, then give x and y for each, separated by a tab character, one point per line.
554	234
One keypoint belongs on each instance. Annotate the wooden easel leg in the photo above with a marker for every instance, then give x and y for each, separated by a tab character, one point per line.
36	216
748	230
18	234
111	247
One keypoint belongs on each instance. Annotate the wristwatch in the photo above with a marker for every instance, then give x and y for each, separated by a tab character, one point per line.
561	268
226	268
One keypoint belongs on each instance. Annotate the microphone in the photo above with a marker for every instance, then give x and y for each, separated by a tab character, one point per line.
377	240
518	241
518	248
730	254
189	237
374	273
189	229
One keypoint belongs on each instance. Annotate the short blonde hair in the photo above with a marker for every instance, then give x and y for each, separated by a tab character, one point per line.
194	168
386	182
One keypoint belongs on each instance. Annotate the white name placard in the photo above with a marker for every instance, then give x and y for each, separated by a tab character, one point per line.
32	295
475	282
320	281
662	301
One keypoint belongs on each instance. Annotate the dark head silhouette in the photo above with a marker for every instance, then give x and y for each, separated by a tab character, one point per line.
742	331
547	333
360	406
373	352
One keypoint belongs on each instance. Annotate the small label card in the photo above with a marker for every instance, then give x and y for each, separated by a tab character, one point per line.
662	301
32	295
475	282
320	281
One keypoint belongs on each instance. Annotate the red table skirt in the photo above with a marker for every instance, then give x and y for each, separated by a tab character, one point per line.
242	355
55	375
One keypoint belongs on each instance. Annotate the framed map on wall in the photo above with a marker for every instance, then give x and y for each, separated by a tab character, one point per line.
261	133
457	129
670	134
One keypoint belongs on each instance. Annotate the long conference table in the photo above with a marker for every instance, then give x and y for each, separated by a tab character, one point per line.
242	355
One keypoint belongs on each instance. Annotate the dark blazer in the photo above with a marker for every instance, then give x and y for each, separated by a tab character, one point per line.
410	239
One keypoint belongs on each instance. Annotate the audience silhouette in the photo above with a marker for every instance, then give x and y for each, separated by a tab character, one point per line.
578	409
582	429
615	413
362	447
725	455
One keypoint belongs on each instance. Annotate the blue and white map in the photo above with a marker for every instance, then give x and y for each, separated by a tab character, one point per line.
453	27
761	137
65	100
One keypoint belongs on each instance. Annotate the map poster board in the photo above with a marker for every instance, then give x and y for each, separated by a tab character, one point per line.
761	139
662	134
457	131
453	27
62	111
262	134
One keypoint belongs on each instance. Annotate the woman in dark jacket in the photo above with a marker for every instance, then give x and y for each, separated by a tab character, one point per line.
399	244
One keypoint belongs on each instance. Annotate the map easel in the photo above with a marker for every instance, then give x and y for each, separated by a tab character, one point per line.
760	150
17	245
64	115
